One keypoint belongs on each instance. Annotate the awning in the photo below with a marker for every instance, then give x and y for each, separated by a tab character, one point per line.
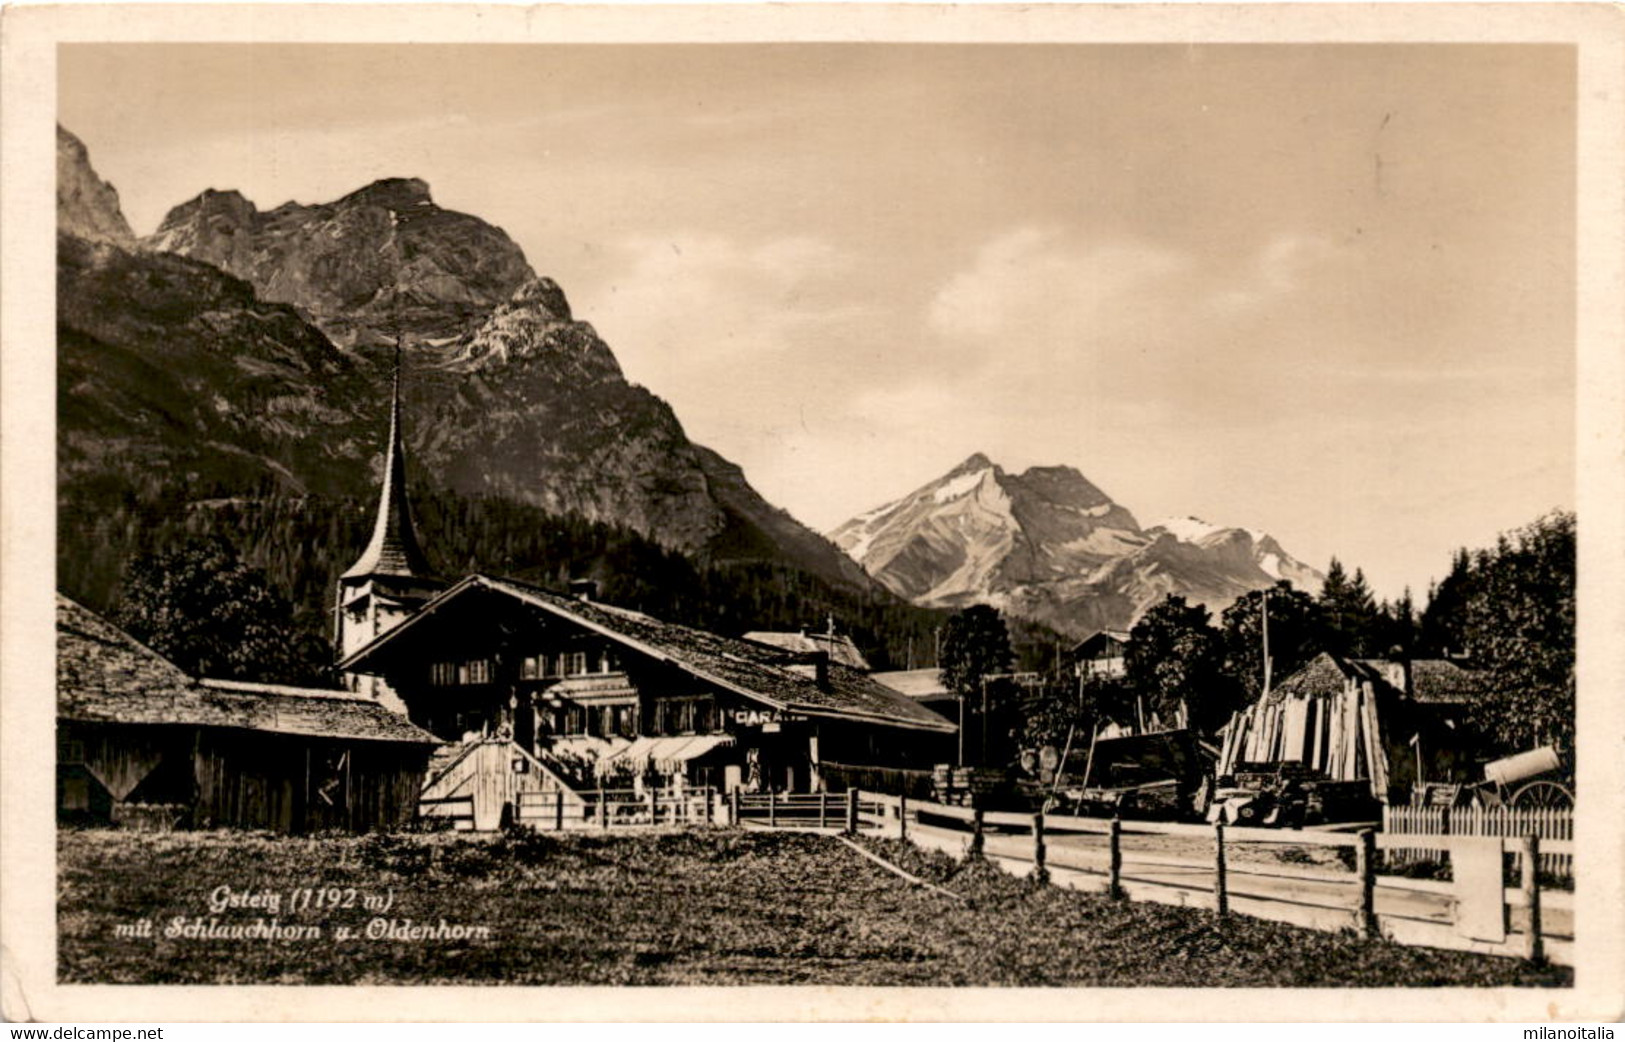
587	747
667	754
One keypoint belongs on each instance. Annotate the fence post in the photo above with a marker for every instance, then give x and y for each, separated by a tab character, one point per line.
1039	871
710	805
976	841
1529	883
1114	886
1365	863
772	808
603	810
654	808
733	806
1221	896
558	810
902	817
823	810
851	812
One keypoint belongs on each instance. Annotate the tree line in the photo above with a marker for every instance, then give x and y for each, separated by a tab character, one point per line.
165	567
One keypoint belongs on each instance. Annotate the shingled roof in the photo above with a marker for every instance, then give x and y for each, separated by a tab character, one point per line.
754	670
1433	680
839	647
104	675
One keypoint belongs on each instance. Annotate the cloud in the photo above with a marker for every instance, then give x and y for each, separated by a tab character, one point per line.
689	302
1033	282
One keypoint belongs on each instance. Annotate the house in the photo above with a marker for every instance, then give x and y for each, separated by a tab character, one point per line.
141	741
838	647
1101	654
1388	723
603	695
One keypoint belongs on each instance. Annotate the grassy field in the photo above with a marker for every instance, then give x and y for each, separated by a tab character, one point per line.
716	907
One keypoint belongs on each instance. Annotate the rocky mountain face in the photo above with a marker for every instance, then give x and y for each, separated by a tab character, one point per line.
86	206
237	350
380	259
1048	545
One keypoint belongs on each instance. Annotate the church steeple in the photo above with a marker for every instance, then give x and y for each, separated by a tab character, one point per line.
391	579
393	549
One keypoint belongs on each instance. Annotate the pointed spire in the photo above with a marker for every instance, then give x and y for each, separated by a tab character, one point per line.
393	549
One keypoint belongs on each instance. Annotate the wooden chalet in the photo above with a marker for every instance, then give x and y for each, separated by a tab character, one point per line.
1388	723
602	696
1101	654
139	741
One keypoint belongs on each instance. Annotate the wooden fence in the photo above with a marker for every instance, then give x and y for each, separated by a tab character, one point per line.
1547	823
818	810
895	781
614	808
1100	854
459	810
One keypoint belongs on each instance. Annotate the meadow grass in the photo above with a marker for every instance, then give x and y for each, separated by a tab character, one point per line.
701	907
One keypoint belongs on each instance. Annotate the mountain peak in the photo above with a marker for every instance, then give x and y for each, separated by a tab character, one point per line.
392	193
1046	544
86	206
974	462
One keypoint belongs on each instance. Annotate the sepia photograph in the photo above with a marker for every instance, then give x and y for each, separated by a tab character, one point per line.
901	512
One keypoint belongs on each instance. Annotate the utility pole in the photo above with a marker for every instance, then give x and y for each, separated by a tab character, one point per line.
1265	607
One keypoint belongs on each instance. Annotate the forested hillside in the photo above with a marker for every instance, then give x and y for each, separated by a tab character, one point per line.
302	544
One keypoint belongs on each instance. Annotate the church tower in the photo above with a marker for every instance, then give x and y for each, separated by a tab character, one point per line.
391	580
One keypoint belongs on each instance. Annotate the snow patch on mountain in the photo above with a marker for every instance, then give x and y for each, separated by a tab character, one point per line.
960	486
1188	529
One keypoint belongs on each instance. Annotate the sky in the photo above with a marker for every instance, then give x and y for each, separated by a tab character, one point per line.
1324	291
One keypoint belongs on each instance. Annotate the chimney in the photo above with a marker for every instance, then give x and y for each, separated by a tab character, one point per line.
584	590
1398	671
814	667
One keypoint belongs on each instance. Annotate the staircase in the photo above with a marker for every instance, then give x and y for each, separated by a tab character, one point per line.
442	759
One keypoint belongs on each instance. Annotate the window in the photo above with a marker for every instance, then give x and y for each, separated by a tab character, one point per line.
531	668
70	752
576	663
443	674
475	671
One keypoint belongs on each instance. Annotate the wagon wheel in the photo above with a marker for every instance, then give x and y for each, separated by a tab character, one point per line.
1543	794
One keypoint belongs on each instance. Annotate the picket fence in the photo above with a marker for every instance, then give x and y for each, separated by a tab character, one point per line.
1505	822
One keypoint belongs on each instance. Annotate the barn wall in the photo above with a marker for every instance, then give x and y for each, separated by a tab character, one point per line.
293	783
122	755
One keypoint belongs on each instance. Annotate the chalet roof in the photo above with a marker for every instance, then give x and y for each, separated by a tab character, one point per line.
839	646
1442	680
1099	638
756	671
915	683
393	549
104	675
1433	680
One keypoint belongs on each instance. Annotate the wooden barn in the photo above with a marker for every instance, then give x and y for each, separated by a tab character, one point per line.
141	742
1387	723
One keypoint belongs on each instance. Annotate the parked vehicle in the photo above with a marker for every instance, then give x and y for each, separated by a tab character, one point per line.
1539	777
